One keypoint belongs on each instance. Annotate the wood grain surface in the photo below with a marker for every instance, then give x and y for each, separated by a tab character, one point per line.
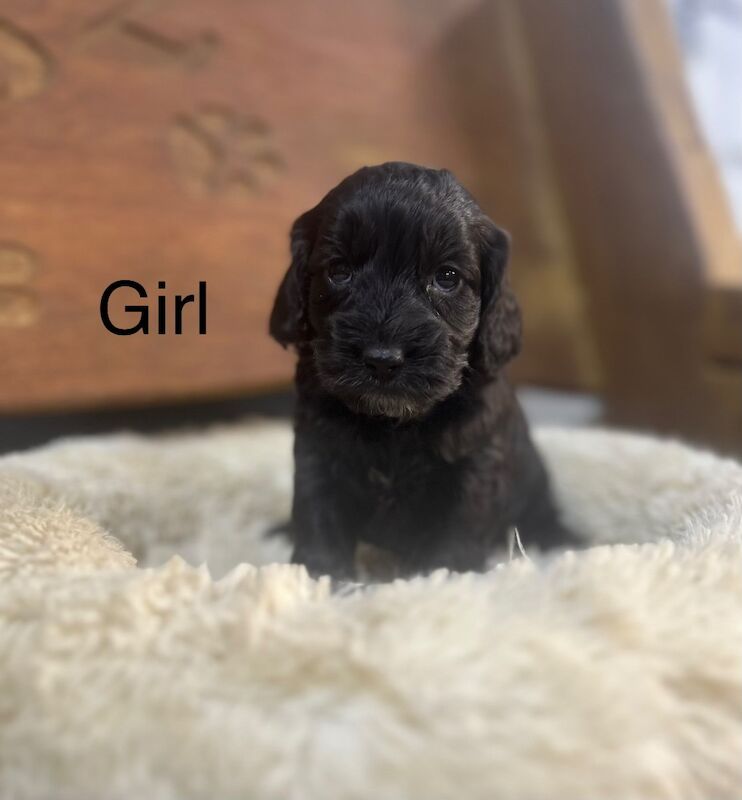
176	140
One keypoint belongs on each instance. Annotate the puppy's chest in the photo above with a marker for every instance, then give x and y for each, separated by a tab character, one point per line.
392	473
386	484
397	491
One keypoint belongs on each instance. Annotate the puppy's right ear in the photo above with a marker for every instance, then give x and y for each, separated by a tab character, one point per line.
288	323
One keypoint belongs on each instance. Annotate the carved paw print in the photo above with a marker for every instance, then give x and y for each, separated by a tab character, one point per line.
217	150
25	66
123	31
18	301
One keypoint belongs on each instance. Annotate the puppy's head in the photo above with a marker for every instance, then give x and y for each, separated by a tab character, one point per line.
396	291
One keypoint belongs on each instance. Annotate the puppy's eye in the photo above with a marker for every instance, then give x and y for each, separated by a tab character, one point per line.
446	279
339	275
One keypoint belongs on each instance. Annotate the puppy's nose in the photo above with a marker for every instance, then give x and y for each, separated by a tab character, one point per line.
383	361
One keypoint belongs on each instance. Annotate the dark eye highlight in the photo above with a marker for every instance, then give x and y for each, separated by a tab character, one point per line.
339	275
446	279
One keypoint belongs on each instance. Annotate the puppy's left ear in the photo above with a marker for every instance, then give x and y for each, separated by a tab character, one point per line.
498	337
288	322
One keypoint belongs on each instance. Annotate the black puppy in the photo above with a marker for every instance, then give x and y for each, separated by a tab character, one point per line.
407	434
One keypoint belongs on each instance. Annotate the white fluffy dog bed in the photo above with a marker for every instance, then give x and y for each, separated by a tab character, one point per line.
611	673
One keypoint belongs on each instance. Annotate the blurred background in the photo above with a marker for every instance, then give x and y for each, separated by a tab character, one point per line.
176	141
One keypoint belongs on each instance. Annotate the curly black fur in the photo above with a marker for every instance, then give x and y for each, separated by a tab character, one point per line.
430	459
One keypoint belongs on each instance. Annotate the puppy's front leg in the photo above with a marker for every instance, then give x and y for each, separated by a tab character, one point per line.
321	542
461	548
458	557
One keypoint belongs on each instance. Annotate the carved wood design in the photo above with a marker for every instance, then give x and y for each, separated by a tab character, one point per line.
18	301
219	150
126	24
25	65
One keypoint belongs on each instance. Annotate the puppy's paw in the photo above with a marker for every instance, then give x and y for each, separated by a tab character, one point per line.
322	562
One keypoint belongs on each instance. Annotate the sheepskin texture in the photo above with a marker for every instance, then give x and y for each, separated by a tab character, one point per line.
613	672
